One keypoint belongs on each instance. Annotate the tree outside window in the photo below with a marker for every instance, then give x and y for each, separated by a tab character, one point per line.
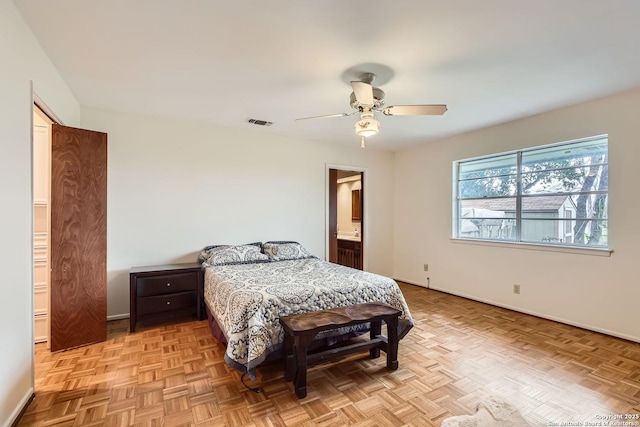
555	195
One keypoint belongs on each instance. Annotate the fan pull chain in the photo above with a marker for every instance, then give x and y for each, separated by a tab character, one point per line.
362	142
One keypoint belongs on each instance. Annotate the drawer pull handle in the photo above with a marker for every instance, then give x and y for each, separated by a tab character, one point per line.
168	302
168	284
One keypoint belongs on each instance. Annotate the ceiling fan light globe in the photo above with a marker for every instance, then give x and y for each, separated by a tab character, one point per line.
367	134
367	127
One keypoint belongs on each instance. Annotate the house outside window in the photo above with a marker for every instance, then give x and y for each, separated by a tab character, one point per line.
553	195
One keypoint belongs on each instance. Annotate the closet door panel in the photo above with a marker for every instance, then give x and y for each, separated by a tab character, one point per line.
78	237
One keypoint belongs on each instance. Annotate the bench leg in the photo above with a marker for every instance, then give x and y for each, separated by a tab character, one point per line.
376	329
392	342
300	345
288	358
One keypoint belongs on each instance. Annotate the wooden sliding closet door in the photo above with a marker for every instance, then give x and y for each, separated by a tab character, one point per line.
78	237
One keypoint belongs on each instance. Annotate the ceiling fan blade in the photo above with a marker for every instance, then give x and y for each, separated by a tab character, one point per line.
364	92
326	116
415	110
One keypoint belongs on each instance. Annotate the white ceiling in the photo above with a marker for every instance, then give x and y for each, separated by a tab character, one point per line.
224	62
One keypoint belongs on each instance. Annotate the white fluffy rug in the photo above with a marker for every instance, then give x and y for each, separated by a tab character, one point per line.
491	412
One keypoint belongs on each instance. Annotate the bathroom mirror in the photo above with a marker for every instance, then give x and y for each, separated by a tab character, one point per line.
356	206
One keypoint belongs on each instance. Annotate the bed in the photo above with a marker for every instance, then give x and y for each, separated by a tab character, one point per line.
247	288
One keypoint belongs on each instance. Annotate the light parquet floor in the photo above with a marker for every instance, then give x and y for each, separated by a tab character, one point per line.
458	352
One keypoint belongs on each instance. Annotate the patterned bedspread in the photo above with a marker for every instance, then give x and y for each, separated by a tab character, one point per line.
248	299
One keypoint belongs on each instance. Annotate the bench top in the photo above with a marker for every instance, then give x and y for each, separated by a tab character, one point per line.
317	321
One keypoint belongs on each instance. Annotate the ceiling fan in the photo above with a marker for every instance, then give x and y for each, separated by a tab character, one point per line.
367	100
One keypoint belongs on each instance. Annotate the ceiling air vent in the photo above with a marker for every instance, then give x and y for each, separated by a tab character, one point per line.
260	122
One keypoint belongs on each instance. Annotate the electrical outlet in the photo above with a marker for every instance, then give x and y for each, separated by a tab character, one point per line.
426	267
516	289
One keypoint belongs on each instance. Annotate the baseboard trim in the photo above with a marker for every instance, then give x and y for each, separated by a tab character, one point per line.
529	312
412	283
118	317
17	414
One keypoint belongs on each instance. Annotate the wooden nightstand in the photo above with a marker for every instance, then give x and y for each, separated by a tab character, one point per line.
165	292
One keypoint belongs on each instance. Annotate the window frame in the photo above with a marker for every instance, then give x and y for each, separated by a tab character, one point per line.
520	195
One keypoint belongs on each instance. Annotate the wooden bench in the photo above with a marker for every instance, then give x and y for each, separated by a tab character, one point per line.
301	329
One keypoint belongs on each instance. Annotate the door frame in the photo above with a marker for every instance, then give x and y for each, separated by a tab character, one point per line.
38	102
43	120
365	209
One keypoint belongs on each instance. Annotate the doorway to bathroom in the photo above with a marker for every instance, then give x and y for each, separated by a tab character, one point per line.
346	217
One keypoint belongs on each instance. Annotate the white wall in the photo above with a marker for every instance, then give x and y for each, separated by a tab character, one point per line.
22	61
599	293
176	186
346	225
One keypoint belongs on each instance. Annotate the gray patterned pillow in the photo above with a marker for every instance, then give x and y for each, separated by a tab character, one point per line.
209	250
280	251
240	254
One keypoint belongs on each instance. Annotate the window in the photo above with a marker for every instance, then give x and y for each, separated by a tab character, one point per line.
551	195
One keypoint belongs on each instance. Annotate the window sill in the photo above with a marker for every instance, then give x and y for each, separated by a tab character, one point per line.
535	247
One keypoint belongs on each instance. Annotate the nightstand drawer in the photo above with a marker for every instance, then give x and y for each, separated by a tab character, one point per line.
167	284
162	303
